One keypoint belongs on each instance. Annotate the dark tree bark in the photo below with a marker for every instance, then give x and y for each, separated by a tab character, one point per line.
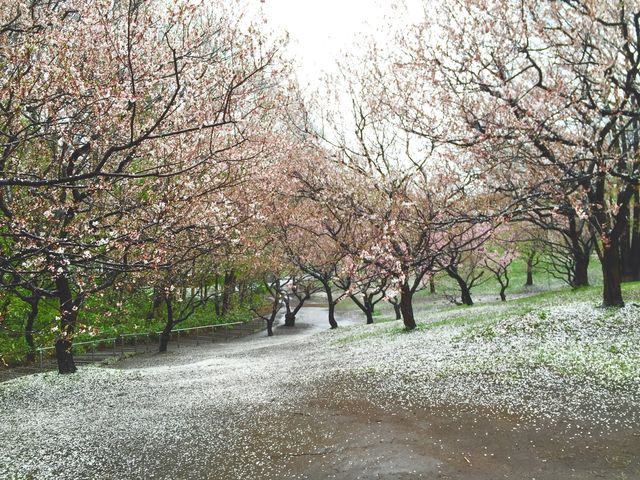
634	254
33	301
465	291
626	266
292	312
581	252
301	291
530	259
275	289
331	303
581	271
396	308
630	244
406	306
28	331
228	290
432	286
289	319
365	305
270	327
68	317
168	326
612	278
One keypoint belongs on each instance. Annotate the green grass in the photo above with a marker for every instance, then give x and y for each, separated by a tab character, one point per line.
510	340
106	315
476	315
542	280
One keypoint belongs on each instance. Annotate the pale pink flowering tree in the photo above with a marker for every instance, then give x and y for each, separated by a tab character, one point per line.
540	98
102	104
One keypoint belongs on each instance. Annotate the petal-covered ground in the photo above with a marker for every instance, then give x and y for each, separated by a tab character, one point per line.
491	392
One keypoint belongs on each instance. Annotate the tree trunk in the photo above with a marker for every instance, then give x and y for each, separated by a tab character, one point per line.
581	271
227	291
270	326
634	254
68	316
368	310
465	292
626	264
580	256
289	319
28	331
369	316
432	286
290	315
365	306
406	307
396	309
503	296
529	281
166	332
332	306
612	293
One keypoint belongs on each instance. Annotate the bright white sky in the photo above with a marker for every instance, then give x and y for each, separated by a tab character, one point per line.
321	30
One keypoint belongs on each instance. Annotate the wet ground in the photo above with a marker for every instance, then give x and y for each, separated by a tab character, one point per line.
357	440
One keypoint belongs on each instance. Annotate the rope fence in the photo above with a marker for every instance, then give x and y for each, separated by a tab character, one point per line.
132	343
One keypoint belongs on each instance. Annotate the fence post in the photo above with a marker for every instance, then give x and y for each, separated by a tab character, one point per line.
93	351
40	352
122	346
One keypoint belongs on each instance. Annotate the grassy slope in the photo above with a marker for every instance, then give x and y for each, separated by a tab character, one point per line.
562	331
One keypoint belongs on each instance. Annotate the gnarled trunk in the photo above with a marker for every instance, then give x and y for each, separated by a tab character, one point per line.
369	316
397	311
270	326
529	281
406	307
465	291
503	295
612	279
289	319
630	244
634	253
227	291
168	326
28	331
68	317
332	305
291	313
581	271
580	255
365	306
